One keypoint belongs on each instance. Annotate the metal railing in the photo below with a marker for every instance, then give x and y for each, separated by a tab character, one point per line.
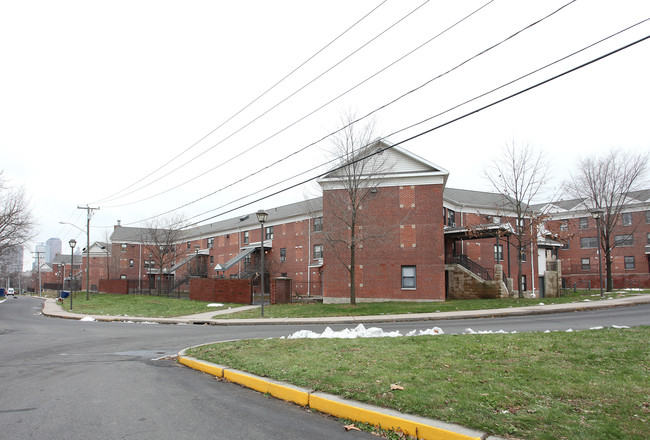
472	266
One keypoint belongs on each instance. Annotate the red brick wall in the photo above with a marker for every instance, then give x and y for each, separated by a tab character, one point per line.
411	233
219	290
281	291
572	257
114	286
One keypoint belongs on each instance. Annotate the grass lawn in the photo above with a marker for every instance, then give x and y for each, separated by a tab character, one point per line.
138	305
307	310
592	384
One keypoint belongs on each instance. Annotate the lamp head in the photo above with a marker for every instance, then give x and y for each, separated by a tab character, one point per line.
262	216
72	243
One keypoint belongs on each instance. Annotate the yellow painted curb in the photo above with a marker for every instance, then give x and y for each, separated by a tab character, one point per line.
385	421
388	419
266	386
196	364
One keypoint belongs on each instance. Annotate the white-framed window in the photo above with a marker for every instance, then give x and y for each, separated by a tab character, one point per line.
629	262
585	263
624	240
626	218
268	233
318	224
210	242
588	242
584	222
283	255
124	247
408	277
318	251
246	237
498	253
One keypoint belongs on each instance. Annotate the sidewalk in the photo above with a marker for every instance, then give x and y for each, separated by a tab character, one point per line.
53	309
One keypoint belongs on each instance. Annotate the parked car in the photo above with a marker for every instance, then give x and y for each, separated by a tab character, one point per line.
10	291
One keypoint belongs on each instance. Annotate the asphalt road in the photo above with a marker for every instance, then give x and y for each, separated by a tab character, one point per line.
65	379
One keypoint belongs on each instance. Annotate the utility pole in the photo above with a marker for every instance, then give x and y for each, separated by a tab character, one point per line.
38	263
89	212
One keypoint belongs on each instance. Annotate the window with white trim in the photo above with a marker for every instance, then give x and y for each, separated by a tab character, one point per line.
408	277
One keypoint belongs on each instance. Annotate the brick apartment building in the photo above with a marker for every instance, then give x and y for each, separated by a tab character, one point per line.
435	243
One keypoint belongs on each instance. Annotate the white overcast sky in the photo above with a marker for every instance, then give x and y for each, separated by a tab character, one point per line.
95	96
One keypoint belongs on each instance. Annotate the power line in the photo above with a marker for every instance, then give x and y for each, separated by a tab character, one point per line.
112	196
370	113
493	103
311	112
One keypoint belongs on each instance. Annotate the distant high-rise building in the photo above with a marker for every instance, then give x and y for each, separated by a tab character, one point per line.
11	261
52	248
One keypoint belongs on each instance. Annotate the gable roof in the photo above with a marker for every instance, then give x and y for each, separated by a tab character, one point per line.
398	167
478	199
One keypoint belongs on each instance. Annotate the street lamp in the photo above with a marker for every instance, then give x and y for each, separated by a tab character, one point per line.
72	244
261	217
87	249
596	214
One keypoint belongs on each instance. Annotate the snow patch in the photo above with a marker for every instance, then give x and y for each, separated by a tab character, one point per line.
215	305
88	319
360	332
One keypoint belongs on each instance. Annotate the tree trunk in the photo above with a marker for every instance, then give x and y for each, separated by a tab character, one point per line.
353	249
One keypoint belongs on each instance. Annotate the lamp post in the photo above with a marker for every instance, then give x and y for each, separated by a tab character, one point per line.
596	214
87	250
72	244
261	217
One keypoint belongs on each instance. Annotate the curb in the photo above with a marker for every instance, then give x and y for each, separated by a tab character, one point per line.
418	427
56	312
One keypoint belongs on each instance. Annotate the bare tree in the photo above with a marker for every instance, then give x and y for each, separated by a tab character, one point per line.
519	175
351	185
603	183
161	237
16	223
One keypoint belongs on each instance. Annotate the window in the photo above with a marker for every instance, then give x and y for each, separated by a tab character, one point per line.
647	238
522	256
564	226
565	245
626	218
210	242
211	259
283	255
318	251
498	253
584	222
269	233
624	240
124	247
523	283
647	217
318	224
588	242
408	277
585	263
247	260
496	219
131	262
629	263
245	237
451	218
122	277
189	246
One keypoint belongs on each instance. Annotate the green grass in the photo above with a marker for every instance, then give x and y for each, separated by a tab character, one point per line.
582	385
308	310
137	305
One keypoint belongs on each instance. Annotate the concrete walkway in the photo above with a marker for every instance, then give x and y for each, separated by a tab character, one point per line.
53	309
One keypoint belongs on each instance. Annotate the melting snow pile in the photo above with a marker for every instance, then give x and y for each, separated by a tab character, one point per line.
215	305
361	332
